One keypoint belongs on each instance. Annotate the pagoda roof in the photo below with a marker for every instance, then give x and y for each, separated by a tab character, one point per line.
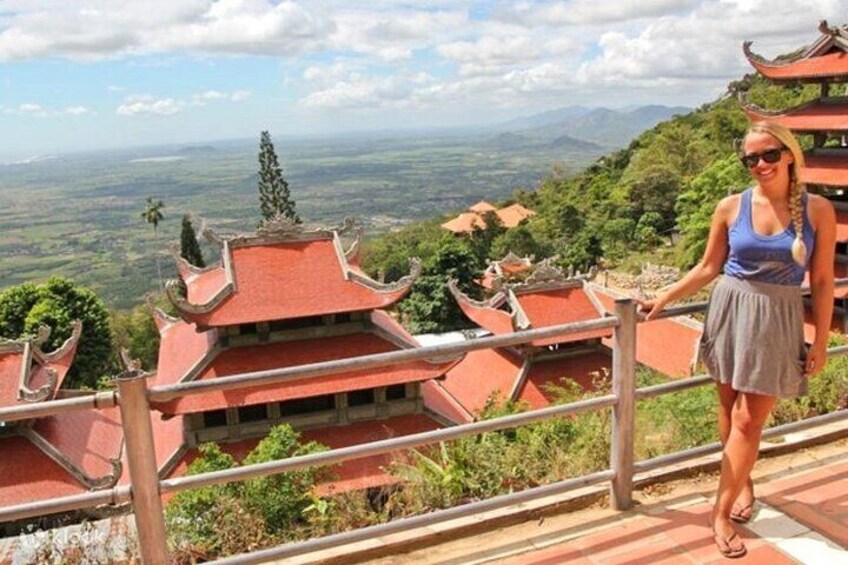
826	166
482	207
466	222
28	374
510	266
28	474
503	375
513	215
827	57
381	335
820	115
282	272
667	345
547	298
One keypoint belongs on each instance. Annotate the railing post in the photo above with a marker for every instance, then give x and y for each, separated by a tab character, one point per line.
144	476
624	411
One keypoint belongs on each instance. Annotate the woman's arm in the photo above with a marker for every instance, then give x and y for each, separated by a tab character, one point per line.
823	218
710	265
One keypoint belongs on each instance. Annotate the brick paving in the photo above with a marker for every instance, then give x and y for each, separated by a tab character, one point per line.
801	519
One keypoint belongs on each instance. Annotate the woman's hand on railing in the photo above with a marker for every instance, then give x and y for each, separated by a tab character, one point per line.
651	307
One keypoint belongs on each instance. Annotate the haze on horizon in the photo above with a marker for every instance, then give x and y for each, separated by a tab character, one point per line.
87	74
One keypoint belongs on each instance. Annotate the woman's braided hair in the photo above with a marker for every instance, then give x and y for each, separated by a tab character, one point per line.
796	187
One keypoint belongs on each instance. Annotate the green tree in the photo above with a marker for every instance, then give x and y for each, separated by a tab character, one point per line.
430	307
136	331
482	238
189	247
274	196
518	240
153	215
583	251
55	304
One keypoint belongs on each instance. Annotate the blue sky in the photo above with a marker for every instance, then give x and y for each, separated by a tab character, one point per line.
90	74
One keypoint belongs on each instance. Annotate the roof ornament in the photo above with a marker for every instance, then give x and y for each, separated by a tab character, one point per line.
62	350
184	268
41	337
279	225
129	364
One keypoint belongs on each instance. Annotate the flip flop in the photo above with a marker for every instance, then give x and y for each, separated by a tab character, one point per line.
744	514
724	547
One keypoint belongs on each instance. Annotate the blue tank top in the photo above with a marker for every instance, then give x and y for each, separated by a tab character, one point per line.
765	258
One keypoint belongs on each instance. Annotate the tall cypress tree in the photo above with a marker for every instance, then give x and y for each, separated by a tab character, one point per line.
189	248
274	196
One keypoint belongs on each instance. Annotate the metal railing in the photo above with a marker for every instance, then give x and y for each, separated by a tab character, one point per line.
136	401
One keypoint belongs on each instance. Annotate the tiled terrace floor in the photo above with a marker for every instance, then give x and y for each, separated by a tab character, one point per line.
802	517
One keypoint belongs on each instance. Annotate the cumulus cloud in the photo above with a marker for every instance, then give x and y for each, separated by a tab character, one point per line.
76	111
148	105
36	110
97	29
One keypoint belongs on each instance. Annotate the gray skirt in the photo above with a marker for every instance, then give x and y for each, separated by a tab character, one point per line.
754	337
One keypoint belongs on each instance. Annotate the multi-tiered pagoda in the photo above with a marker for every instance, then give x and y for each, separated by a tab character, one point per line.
280	298
825	120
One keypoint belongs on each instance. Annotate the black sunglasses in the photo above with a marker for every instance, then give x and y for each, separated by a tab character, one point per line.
769	156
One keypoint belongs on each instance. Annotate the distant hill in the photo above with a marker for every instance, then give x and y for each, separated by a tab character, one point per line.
197	150
611	129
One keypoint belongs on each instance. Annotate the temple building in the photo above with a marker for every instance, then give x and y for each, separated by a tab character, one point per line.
825	120
283	297
531	372
67	453
466	222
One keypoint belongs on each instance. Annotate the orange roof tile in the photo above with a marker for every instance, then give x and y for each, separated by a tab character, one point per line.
465	223
826	168
513	215
545	373
283	280
667	345
496	321
292	353
482	207
814	116
441	402
829	65
561	306
27	474
481	375
181	347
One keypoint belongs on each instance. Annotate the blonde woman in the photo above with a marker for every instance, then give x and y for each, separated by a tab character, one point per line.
765	239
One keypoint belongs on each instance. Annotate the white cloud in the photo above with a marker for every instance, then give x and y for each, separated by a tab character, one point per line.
98	29
147	105
76	110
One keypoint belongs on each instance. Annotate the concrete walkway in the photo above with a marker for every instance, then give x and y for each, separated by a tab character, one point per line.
801	517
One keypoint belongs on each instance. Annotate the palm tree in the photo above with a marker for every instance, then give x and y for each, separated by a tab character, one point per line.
153	215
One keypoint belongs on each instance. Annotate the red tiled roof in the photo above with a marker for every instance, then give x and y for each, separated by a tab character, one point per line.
10	375
180	348
561	306
440	401
665	345
292	353
465	223
350	475
829	169
27	474
830	65
544	373
513	215
481	375
496	321
203	286
815	116
88	438
292	279
482	207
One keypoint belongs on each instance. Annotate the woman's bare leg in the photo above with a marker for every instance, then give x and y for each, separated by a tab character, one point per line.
727	398
747	418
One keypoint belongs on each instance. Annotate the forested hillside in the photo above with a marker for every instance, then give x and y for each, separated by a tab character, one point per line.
623	207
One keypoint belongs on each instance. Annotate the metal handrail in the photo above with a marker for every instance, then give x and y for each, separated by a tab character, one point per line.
135	401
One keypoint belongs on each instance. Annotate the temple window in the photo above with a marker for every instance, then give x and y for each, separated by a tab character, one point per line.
360	397
396	392
309	405
214	418
255	413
